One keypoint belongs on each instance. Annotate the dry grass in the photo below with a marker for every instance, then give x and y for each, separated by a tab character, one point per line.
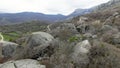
104	56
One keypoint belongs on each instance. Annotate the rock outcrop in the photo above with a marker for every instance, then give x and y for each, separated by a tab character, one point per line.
80	54
8	48
87	41
38	39
37	45
25	63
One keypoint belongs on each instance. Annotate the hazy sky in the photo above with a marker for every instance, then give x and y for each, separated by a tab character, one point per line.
46	6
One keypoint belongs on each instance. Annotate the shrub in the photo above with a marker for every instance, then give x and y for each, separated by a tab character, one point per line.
73	39
104	56
62	56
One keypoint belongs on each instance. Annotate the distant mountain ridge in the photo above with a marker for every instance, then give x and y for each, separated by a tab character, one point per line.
11	18
16	18
28	16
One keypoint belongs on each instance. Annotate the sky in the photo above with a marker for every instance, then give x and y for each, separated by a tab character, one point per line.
64	7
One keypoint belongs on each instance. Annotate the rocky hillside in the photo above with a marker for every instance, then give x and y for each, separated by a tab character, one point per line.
80	43
87	41
102	12
111	3
79	12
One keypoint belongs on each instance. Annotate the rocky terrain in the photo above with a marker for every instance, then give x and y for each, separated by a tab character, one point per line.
87	41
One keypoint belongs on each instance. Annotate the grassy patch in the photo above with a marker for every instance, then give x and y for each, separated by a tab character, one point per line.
12	36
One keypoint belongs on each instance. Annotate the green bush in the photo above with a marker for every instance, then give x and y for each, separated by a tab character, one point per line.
73	39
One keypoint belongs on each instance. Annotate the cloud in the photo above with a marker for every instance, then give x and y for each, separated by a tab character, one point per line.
47	6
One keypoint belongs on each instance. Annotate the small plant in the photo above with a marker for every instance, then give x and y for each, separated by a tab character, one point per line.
73	39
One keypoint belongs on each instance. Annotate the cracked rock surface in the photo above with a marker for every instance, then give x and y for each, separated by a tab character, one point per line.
25	63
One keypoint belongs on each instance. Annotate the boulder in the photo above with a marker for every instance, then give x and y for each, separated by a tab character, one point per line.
39	38
82	20
85	28
110	34
113	20
25	63
38	44
67	26
89	36
81	50
117	20
106	28
109	21
7	48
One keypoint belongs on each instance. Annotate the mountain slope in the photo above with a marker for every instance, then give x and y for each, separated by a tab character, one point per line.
109	4
80	12
103	11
